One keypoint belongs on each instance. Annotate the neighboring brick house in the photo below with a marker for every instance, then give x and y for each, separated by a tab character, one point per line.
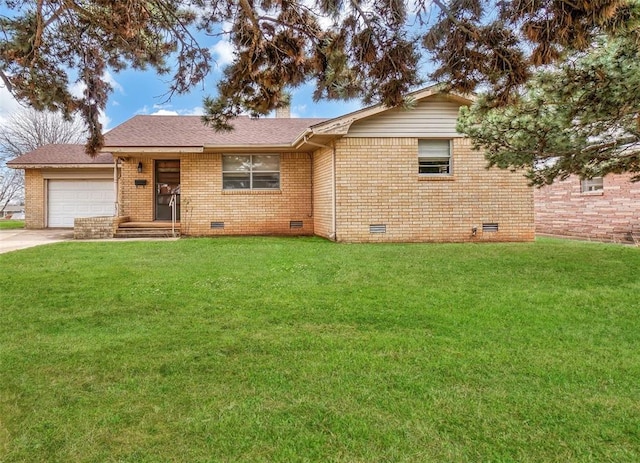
605	209
374	175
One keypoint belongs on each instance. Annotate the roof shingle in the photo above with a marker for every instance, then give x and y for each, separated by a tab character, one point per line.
189	131
60	154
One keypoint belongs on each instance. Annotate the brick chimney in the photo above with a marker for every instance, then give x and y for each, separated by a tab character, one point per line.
283	112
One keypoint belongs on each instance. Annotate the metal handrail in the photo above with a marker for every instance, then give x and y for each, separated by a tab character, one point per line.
172	205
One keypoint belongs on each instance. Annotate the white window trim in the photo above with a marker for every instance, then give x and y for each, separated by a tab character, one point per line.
250	172
593	185
448	158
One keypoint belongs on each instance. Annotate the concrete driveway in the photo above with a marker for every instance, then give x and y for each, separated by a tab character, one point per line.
13	240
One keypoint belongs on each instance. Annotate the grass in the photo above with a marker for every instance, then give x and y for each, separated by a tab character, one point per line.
11	224
301	350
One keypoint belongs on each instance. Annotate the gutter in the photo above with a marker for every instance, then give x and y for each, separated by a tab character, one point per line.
154	150
58	166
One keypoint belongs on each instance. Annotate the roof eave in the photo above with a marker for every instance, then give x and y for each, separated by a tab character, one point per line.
248	148
59	166
152	149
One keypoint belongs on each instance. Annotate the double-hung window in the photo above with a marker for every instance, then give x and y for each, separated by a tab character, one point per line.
434	157
589	185
251	172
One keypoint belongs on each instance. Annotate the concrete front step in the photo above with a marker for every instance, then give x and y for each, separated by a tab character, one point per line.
149	225
145	233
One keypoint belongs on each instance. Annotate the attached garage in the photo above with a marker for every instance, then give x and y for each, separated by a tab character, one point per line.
63	183
70	199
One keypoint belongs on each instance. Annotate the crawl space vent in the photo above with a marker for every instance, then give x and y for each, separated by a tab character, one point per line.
489	227
217	225
295	224
378	228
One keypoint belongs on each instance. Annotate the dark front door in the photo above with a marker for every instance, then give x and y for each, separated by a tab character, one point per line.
167	185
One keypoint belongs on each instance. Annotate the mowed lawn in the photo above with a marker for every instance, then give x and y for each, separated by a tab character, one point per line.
11	224
302	350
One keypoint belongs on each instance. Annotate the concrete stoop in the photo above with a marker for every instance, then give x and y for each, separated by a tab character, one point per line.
147	230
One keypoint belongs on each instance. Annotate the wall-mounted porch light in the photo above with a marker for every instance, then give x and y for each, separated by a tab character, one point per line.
140	167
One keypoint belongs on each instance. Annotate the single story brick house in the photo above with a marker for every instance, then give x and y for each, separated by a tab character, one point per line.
603	208
374	175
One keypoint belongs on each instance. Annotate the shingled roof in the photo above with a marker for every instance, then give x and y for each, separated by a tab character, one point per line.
60	155
189	131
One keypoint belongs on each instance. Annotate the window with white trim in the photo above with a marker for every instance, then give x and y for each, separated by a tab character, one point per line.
434	157
592	184
250	172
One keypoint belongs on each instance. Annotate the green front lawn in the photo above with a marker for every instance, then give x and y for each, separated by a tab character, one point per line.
11	224
286	350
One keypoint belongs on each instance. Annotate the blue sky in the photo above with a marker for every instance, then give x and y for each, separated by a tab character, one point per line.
138	92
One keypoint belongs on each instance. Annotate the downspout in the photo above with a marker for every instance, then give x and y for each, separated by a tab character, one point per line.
310	215
306	141
116	212
334	234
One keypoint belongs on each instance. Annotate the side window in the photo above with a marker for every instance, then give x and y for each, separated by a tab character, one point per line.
592	184
434	157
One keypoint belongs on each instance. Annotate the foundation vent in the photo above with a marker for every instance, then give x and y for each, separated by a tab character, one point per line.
489	227
296	224
217	225
378	228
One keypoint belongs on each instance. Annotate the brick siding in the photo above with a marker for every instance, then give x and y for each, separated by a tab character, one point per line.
245	212
92	228
378	184
203	201
136	202
34	199
612	214
323	192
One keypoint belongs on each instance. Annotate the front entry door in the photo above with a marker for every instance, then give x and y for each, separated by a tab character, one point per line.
167	184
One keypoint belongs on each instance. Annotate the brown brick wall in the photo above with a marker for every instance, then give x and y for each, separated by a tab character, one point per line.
611	214
245	212
136	202
378	184
34	200
323	193
93	228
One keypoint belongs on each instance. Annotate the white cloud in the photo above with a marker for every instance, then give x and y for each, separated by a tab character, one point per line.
223	53
105	121
8	104
197	111
108	78
77	88
164	112
298	110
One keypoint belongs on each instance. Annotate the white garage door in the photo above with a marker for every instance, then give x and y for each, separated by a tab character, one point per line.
69	199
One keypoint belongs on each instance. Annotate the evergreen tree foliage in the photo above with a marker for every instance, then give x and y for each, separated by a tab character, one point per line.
370	49
580	117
